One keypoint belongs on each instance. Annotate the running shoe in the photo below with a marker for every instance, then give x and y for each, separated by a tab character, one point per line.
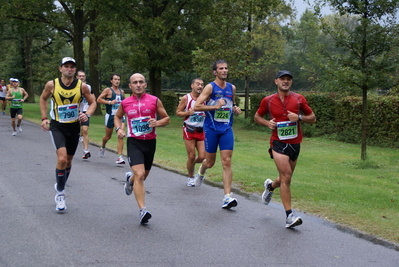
101	152
14	133
191	182
128	184
19	128
120	160
229	202
145	215
198	178
4	113
81	138
86	154
59	199
293	221
267	195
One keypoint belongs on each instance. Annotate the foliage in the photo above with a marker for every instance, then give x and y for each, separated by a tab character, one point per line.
382	125
244	33
170	100
367	41
324	105
162	35
255	103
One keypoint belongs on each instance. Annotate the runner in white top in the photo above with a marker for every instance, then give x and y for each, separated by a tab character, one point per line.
193	133
84	133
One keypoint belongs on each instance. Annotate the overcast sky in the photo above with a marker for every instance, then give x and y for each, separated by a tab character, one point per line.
301	5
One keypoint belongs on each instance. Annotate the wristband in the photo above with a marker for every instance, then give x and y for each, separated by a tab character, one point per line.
88	116
234	105
300	117
44	118
117	129
109	102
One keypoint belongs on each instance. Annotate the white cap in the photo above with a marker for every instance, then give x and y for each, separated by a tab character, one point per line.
67	59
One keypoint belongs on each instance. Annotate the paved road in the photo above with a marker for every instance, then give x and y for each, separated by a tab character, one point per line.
189	227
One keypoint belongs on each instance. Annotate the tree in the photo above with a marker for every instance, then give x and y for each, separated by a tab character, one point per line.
246	34
163	35
20	37
367	43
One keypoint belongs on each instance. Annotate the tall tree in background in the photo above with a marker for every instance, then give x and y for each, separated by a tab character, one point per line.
247	34
21	35
367	44
68	17
164	33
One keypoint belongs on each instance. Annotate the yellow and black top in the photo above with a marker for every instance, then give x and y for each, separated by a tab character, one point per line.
65	101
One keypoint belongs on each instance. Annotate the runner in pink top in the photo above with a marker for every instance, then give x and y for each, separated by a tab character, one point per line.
141	110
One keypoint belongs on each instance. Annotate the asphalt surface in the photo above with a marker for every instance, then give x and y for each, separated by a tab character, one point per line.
189	228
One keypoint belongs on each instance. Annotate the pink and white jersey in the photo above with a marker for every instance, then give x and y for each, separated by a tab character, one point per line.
138	112
197	119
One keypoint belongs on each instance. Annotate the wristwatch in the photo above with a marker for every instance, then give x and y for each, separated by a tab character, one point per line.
300	117
117	129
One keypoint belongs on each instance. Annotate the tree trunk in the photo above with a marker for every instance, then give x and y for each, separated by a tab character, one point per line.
79	29
155	81
28	68
94	59
246	107
363	155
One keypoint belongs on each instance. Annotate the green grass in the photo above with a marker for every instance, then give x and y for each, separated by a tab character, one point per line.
330	181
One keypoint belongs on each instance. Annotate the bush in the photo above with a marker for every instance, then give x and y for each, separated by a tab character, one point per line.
382	123
170	100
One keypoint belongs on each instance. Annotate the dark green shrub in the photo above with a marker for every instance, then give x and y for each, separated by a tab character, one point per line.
170	100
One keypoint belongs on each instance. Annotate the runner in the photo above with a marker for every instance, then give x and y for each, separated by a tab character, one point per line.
84	136
112	97
142	111
193	131
285	110
66	95
3	93
17	96
220	106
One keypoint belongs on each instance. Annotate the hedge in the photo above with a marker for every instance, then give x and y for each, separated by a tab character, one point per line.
340	117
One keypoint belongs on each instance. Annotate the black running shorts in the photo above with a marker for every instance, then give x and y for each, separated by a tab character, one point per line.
291	150
65	135
141	152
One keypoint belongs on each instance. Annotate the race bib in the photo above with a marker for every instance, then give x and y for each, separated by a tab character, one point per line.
197	117
67	113
140	126
287	130
222	114
115	108
16	103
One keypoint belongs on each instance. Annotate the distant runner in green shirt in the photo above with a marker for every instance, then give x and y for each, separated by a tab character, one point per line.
17	96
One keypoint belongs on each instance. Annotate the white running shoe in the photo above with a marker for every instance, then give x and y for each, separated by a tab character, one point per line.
229	202
101	152
198	178
191	181
86	154
128	184
293	221
145	215
81	138
14	133
19	129
267	195
59	200
120	160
